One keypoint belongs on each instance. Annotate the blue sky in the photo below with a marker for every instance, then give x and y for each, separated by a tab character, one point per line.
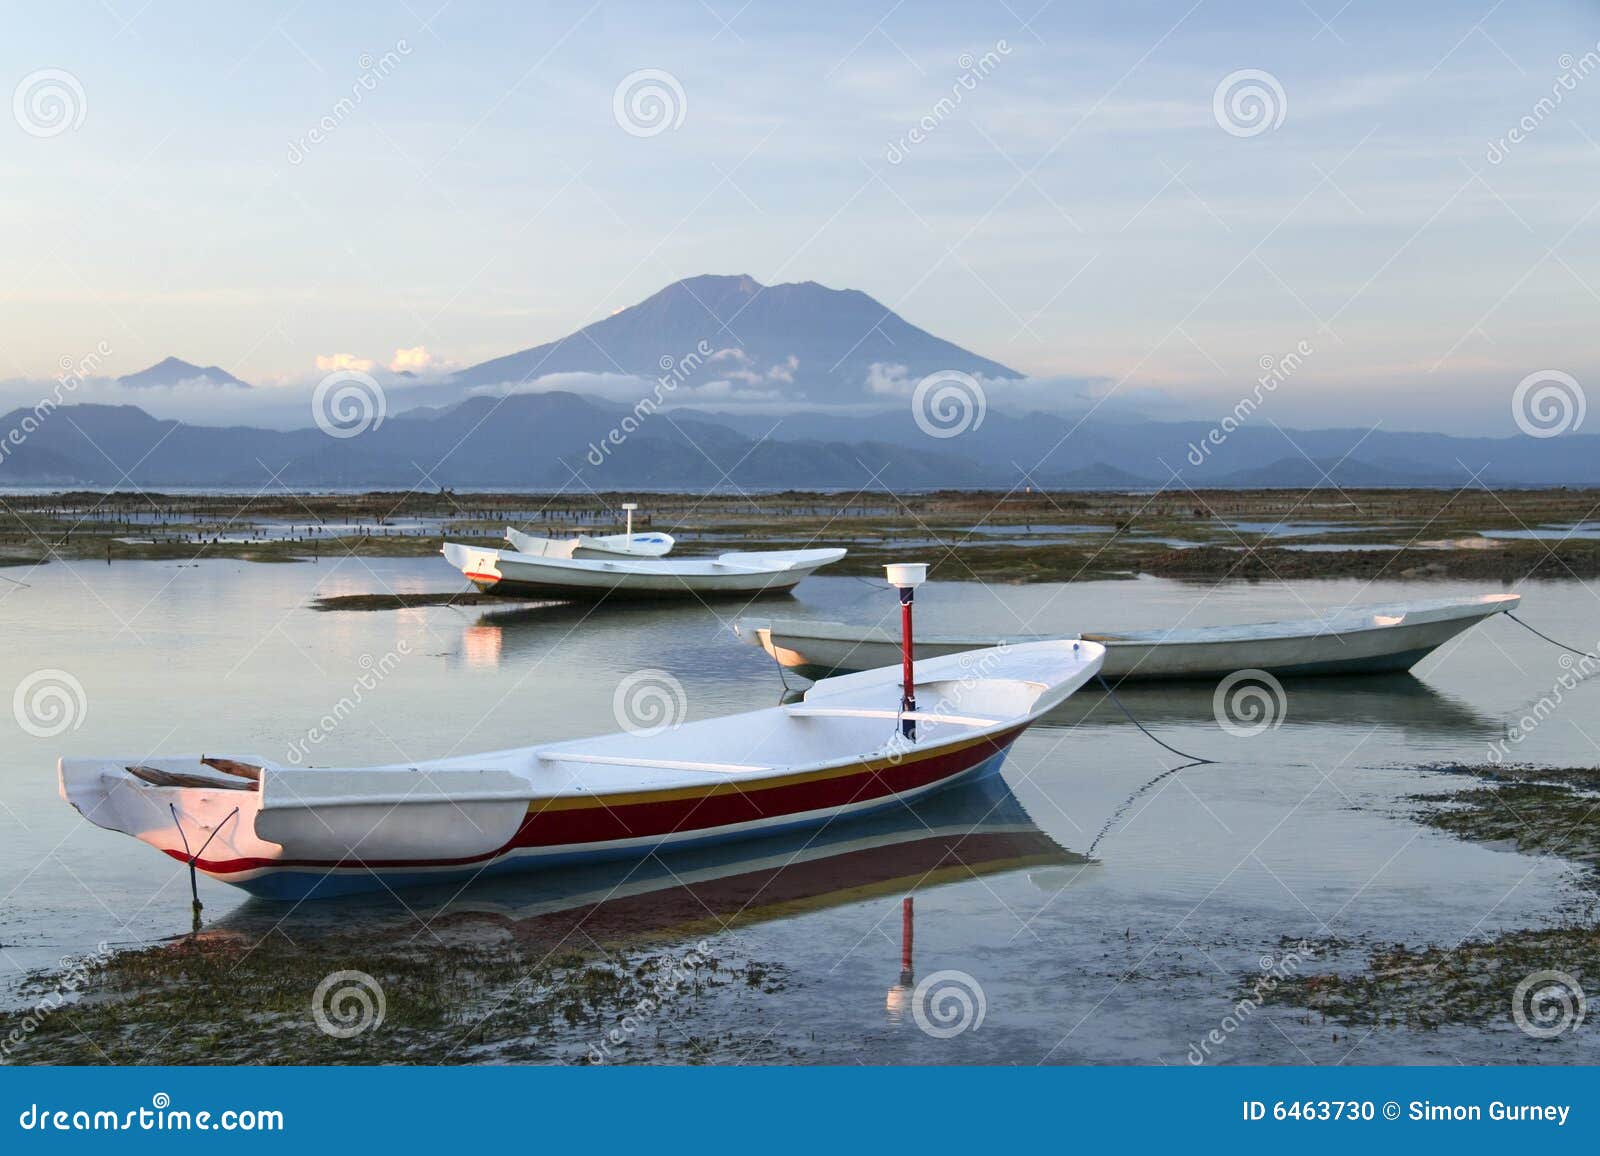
1080	213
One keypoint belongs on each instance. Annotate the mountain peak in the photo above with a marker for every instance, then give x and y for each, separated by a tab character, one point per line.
795	341
172	370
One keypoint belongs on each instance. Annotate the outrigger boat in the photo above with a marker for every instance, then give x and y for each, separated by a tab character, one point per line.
742	574
845	749
624	545
1356	640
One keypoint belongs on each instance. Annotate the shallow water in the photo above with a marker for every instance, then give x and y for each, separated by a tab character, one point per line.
1299	831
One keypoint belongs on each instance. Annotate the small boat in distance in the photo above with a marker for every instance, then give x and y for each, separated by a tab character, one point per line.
1355	640
851	746
745	574
624	545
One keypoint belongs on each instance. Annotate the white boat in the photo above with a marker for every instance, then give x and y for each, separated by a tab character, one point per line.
297	832
515	574
624	545
1356	640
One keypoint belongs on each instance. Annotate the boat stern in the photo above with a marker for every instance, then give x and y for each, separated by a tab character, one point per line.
481	566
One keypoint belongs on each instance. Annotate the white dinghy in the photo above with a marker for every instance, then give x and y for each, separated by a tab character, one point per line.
515	574
1356	640
852	745
627	544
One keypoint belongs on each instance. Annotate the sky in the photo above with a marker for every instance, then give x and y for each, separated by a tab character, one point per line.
1093	206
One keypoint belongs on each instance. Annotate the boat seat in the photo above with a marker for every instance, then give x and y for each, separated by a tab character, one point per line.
645	761
913	715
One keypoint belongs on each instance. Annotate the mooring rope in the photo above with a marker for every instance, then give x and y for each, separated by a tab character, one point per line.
1112	695
1553	641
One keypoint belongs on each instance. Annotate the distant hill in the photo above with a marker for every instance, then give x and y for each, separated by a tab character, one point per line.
799	341
173	371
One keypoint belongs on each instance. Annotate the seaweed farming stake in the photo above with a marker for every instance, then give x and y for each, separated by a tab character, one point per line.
906	577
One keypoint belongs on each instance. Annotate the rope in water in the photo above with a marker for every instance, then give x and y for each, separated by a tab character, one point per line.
1552	641
1112	695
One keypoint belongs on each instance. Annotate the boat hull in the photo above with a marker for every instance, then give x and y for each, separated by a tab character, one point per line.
513	575
829	649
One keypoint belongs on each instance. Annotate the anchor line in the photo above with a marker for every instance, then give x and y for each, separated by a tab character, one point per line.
1112	695
1553	641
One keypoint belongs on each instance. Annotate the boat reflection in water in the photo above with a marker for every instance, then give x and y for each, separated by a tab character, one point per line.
964	833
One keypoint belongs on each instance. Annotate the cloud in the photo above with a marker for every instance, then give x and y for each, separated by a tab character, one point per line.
329	362
412	360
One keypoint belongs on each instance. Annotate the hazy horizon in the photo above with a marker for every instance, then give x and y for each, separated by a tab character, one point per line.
1069	192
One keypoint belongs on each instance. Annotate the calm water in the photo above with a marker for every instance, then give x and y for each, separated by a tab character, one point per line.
1129	957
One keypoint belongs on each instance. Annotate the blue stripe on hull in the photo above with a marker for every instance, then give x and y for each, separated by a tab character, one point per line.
298	883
